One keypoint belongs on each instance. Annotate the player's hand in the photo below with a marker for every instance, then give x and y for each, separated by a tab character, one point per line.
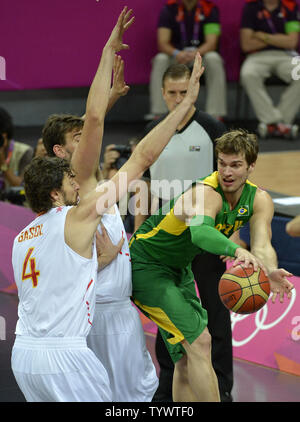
280	285
119	87
106	250
247	259
194	82
124	22
225	258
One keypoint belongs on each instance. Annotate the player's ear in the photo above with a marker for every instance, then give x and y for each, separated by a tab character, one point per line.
251	167
59	151
55	195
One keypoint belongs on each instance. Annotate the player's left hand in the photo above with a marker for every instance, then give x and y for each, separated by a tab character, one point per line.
280	285
194	82
119	87
106	250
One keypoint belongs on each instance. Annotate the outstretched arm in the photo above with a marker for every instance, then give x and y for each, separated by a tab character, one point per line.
85	160
97	201
260	244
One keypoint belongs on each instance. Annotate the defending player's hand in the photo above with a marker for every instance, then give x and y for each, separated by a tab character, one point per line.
246	257
106	250
119	87
280	285
194	82
124	22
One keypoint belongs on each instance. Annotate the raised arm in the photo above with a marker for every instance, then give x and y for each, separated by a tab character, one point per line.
260	244
99	200
85	160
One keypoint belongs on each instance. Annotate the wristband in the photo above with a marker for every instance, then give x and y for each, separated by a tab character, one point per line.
175	52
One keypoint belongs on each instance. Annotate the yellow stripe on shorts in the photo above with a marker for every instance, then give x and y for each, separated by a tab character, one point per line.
160	318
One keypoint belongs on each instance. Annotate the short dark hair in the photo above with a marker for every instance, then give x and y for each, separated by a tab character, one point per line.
41	176
6	123
236	142
55	129
176	71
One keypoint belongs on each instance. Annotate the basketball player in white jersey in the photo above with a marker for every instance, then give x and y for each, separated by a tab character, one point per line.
117	329
50	359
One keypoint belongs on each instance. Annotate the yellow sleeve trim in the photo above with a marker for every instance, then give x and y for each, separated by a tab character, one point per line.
170	224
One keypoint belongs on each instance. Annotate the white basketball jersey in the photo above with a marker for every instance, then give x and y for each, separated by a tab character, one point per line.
56	286
114	280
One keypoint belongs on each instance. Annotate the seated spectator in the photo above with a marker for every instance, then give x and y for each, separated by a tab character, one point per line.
269	38
184	28
40	150
14	156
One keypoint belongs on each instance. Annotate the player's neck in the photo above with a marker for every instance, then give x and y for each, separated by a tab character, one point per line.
271	4
186	118
233	197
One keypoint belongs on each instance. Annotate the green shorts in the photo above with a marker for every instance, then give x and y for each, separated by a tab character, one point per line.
168	297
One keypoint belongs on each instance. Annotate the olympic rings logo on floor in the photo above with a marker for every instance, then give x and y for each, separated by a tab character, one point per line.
260	318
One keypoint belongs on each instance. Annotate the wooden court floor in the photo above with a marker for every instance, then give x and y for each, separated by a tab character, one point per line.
278	172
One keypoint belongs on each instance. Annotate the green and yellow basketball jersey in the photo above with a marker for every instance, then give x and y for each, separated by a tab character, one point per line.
228	221
166	239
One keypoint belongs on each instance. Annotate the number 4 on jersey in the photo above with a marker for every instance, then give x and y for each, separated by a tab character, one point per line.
33	274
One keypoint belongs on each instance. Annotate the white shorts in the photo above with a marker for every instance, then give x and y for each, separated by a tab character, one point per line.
59	369
117	339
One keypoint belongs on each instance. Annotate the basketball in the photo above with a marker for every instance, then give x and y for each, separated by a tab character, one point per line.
243	290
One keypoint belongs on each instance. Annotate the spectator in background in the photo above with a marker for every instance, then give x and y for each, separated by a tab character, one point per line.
40	150
14	156
184	28
269	38
114	157
188	156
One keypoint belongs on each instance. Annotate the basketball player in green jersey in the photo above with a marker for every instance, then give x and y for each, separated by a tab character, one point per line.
202	219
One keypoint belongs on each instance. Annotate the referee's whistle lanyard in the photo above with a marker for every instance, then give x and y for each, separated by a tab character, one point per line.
197	18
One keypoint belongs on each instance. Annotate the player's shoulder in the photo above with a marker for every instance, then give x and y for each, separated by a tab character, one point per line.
209	192
262	200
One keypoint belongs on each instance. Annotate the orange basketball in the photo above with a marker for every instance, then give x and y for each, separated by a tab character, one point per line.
243	290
